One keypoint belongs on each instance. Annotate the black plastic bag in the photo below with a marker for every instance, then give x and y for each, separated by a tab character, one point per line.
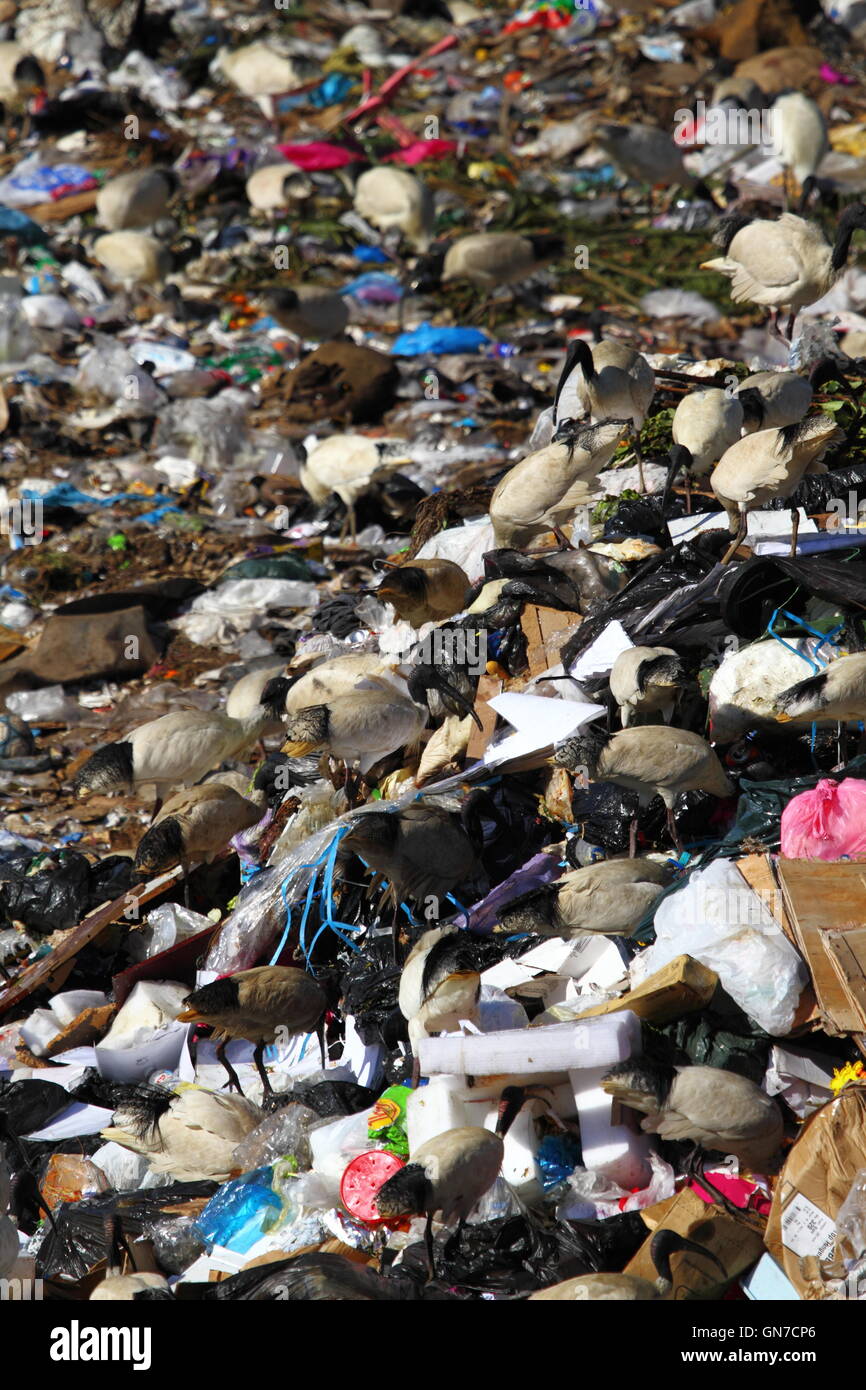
604	813
53	898
31	1105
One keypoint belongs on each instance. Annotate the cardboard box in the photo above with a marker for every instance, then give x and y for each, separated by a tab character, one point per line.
680	987
735	1241
812	1186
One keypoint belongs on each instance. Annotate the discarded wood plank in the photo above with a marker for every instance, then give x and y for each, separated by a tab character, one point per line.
41	973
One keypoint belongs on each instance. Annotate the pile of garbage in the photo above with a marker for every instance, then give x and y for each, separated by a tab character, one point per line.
432	651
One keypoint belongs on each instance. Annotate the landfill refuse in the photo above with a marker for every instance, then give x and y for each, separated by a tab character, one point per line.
433	656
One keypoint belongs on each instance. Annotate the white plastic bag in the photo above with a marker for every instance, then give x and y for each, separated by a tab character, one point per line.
718	920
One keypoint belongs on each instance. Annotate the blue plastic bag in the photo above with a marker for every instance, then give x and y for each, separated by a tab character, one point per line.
427	339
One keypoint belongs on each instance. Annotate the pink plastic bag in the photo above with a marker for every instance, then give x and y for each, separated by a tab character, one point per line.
827	822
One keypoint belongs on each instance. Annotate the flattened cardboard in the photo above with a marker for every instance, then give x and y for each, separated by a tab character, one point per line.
733	1240
682	986
812	1186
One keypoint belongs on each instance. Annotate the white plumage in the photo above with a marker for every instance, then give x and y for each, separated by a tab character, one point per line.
545	489
122	1288
785	397
836	693
438	986
133	258
788	263
392	199
707	423
174	750
257	71
367	724
644	681
136	199
799	134
767	465
608	381
345	464
193	1139
266	188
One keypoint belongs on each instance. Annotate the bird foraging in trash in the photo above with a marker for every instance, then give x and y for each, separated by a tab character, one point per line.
422	850
608	382
836	693
189	1135
769	464
545	490
345	464
136	199
372	720
168	752
132	258
609	898
487	260
196	824
629	1288
705	425
718	1111
650	759
259	1005
784	264
800	139
782	399
646	681
424	591
439	986
450	1173
394	200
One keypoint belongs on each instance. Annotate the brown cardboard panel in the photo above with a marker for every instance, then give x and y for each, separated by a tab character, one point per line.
735	1241
822	896
812	1186
682	986
546	630
488	686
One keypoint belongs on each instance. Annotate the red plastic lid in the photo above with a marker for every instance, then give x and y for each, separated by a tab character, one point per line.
362	1180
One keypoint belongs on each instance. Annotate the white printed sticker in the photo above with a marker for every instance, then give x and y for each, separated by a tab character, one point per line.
806	1230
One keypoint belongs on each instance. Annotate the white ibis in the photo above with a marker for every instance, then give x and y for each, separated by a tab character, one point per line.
788	263
345	464
190	1135
836	693
720	1111
544	491
136	199
784	398
424	591
395	200
651	760
800	139
133	258
644	681
608	898
169	752
196	824
439	987
769	464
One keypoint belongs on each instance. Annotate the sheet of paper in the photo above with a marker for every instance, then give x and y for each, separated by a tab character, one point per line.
602	653
161	1053
76	1120
761	525
806	1229
539	722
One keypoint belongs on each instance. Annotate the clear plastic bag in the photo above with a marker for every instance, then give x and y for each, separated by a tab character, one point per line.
717	919
284	1134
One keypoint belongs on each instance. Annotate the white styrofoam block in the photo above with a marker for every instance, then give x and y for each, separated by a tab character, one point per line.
618	1151
435	1108
38	1030
519	1168
566	1047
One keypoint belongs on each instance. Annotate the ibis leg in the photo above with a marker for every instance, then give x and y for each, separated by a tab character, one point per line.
259	1063
320	1034
632	838
428	1242
739	537
232	1074
795	529
675	834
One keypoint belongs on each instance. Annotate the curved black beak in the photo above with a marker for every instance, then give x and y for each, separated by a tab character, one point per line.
666	1243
